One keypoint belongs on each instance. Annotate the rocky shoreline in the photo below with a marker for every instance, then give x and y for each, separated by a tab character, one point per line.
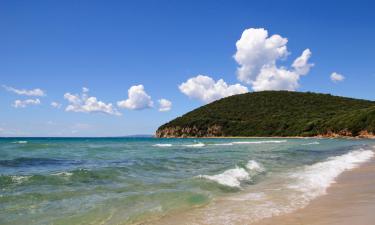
215	131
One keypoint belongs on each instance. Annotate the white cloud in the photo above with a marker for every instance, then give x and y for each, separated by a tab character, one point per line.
24	103
33	92
86	104
164	105
257	55
137	99
207	89
56	105
336	77
301	65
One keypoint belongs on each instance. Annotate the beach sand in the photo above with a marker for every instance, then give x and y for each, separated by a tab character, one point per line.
350	201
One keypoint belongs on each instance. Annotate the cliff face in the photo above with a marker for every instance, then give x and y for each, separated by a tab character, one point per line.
177	131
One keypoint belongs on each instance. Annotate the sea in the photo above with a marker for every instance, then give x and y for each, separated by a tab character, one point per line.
177	181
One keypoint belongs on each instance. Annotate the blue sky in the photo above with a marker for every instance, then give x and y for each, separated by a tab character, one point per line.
110	46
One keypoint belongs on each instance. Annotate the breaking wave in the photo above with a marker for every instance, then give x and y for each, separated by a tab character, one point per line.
312	143
233	177
162	145
258	142
19	142
197	145
295	191
314	180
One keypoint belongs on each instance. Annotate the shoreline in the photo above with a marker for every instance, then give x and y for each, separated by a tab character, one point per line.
371	137
350	200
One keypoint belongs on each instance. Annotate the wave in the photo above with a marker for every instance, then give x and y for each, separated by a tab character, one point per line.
19	179
66	174
253	165
162	145
198	145
223	144
314	180
233	177
19	142
257	142
312	143
287	193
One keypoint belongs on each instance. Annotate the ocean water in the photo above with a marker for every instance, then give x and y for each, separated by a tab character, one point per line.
149	180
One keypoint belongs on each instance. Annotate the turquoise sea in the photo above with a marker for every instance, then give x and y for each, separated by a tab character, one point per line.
143	180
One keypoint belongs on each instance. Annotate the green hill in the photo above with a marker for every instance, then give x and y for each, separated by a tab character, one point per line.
276	113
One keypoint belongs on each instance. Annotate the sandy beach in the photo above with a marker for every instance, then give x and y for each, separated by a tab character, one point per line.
350	201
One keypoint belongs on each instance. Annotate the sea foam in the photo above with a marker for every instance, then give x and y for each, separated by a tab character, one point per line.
162	145
298	189
313	181
233	177
223	144
257	142
312	143
20	142
197	145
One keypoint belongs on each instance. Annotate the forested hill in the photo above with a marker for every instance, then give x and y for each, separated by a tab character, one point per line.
276	113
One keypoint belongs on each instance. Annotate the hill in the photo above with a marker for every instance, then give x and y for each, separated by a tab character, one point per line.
276	113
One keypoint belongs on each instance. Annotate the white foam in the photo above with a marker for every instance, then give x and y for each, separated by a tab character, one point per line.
67	174
285	193
233	177
162	145
19	179
198	145
257	142
252	196
20	142
223	144
314	180
255	166
312	143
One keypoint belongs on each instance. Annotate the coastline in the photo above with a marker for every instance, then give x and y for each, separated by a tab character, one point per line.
349	201
277	137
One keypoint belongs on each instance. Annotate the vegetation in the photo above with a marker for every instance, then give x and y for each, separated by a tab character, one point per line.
276	113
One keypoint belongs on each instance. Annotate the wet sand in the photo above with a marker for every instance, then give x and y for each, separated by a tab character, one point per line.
350	201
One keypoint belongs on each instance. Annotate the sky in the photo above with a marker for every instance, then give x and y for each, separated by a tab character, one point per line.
115	68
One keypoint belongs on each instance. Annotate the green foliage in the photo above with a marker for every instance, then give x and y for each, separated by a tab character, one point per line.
281	113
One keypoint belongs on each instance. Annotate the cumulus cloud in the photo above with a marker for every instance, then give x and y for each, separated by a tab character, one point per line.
56	105
336	77
33	92
206	89
164	105
138	99
87	104
24	103
301	65
257	55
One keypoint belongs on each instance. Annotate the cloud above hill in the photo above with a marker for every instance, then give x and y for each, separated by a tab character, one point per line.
257	55
206	89
164	105
336	77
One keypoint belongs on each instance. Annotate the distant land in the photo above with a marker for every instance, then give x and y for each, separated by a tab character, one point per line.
276	114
